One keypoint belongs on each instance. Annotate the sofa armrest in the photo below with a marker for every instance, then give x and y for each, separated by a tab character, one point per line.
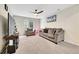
59	36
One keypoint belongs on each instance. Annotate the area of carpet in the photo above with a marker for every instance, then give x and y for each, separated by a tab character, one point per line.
39	45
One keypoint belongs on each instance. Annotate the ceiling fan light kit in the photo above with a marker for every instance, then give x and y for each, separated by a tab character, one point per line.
36	14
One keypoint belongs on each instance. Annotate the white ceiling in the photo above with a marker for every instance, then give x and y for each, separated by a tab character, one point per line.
26	9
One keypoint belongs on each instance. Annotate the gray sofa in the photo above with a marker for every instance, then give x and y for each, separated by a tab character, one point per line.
55	35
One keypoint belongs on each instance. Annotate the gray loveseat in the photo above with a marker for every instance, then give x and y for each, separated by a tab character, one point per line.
55	35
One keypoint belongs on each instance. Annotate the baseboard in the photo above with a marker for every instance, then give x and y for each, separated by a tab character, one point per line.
72	42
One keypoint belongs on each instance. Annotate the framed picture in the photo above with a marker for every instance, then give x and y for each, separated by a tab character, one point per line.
6	7
51	18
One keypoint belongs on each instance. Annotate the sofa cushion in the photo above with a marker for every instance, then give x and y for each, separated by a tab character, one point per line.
45	34
45	30
52	31
58	30
48	35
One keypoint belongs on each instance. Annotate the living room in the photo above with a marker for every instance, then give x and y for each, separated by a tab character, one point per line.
65	20
44	28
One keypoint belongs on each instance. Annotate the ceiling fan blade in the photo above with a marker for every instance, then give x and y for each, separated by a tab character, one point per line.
40	12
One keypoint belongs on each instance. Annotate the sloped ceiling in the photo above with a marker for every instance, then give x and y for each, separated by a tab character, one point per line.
26	9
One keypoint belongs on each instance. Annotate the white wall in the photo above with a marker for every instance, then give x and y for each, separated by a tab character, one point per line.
3	22
43	22
19	24
20	20
68	19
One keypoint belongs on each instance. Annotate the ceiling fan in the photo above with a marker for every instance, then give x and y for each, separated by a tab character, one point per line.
37	12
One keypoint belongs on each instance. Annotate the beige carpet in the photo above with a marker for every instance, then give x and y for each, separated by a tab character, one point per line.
39	45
